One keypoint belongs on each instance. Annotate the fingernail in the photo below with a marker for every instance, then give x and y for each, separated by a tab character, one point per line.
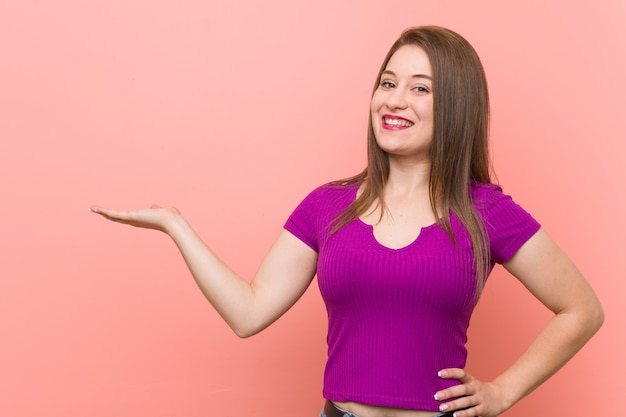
443	407
437	396
442	374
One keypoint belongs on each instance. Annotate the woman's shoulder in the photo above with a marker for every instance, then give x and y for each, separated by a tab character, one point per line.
319	209
494	204
490	198
480	189
485	195
334	191
507	223
330	198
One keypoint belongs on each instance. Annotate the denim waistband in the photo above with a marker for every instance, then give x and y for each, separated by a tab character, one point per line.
331	410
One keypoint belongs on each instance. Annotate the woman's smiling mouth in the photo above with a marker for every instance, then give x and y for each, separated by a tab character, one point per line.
395	122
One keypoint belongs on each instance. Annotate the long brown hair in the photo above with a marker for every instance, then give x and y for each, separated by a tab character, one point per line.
459	152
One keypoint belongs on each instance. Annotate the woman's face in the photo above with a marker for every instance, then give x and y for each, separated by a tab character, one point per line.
402	105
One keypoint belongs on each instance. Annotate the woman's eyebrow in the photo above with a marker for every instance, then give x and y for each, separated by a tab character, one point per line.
389	72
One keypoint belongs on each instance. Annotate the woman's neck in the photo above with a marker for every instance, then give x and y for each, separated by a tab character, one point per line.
405	179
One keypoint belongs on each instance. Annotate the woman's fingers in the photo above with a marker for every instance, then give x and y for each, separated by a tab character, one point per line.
471	397
155	217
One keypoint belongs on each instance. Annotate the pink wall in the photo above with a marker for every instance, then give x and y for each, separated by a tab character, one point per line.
233	113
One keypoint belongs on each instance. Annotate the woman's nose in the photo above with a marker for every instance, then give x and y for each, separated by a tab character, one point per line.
397	100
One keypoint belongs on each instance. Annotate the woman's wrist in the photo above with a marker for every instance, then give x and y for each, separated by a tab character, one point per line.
175	225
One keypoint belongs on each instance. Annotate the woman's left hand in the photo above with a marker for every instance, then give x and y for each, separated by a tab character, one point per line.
472	397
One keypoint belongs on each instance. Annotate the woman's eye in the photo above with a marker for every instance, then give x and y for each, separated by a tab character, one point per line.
387	84
421	89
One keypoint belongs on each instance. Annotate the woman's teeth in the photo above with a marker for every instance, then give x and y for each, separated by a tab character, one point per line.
397	122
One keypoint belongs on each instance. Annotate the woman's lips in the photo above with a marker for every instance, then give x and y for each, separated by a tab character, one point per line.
391	122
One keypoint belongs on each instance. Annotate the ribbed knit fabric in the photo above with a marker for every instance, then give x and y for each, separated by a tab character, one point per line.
398	316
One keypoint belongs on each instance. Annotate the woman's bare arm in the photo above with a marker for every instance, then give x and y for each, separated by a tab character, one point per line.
247	307
548	273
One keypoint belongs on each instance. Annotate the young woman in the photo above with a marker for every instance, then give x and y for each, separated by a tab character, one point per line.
403	249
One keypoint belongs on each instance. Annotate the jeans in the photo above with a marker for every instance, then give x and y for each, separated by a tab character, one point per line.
345	414
349	414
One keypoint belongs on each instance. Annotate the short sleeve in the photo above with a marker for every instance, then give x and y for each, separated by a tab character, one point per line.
508	225
313	218
302	222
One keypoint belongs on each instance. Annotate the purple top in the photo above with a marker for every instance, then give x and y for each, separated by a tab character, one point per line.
397	316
